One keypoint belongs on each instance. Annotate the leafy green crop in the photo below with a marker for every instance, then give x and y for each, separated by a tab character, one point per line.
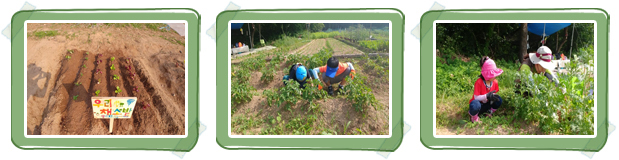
272	97
254	64
68	57
377	65
112	67
112	59
97	92
311	93
319	59
268	73
241	92
118	90
116	77
75	97
376	45
359	94
288	95
295	58
301	126
241	75
277	58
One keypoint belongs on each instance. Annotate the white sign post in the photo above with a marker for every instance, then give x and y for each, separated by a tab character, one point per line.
113	107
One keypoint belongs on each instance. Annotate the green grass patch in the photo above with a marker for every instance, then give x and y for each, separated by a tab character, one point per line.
42	34
173	41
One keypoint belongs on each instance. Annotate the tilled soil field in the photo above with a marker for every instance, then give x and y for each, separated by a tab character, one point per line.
62	106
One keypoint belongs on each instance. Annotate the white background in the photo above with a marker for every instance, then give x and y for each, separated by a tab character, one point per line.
207	148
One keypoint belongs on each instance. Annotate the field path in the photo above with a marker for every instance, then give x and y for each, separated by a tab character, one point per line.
316	45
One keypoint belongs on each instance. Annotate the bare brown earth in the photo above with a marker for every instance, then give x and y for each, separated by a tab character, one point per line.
454	113
334	113
149	63
312	47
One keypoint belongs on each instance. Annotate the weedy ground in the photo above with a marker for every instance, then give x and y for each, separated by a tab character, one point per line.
566	109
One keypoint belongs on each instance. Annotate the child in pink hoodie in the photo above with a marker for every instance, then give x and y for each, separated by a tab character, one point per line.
485	97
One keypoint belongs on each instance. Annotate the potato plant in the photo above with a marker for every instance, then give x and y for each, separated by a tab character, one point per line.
295	58
288	95
241	92
359	94
271	96
277	58
311	93
268	73
241	75
319	59
254	64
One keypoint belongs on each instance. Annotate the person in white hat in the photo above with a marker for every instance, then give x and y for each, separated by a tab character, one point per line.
540	63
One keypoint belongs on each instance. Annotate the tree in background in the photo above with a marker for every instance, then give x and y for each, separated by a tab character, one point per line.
503	40
316	27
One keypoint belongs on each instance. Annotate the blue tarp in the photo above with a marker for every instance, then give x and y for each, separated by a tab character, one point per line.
538	28
236	25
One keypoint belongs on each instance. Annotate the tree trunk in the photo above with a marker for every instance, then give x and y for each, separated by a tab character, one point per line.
523	42
562	43
252	35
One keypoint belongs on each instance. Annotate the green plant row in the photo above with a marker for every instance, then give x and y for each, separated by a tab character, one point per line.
376	45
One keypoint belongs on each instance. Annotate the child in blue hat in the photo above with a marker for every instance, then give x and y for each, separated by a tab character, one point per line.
298	72
335	72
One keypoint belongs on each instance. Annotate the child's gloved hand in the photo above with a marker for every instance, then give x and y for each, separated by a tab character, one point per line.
495	97
491	96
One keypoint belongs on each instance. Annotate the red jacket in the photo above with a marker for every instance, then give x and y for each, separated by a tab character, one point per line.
480	88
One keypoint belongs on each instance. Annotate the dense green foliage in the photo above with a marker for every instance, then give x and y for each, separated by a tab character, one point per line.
499	40
377	45
502	40
316	27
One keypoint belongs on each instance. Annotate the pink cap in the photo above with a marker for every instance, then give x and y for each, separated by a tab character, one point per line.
489	70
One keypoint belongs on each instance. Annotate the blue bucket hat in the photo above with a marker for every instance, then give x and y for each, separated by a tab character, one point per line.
332	67
301	73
